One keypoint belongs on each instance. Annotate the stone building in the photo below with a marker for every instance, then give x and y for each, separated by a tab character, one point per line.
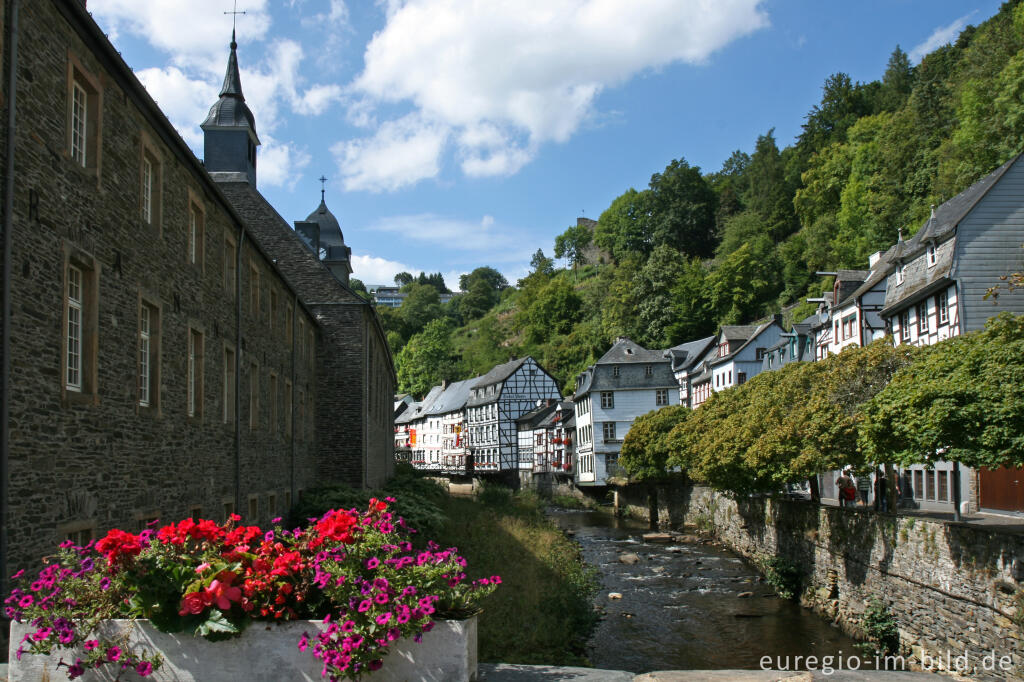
171	347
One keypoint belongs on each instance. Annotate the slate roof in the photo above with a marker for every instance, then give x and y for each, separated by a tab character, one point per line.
536	415
625	350
230	110
452	398
688	354
631	360
881	269
409	414
738	332
758	330
330	228
499	373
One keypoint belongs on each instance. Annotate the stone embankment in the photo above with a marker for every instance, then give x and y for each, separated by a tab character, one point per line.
956	591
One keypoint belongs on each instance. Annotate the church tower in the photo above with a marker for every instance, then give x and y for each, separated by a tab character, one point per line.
321	232
229	131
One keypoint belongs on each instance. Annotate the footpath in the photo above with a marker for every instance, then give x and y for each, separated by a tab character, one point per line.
507	672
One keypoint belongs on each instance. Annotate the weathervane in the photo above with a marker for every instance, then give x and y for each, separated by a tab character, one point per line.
234	13
323	187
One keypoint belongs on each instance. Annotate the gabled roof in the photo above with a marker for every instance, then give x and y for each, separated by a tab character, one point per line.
409	414
625	350
874	277
686	355
452	398
499	373
750	339
738	332
537	414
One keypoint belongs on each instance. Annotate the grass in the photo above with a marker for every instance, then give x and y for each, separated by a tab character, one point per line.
543	612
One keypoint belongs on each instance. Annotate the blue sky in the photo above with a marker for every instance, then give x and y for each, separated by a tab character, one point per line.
460	133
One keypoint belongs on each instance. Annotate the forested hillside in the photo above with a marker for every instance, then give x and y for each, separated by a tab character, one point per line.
694	249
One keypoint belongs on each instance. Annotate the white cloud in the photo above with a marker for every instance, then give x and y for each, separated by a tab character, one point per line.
281	163
201	42
375	270
316	99
400	153
939	37
185	101
500	244
505	78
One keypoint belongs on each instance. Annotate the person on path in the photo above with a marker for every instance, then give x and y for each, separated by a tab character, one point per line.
864	488
847	490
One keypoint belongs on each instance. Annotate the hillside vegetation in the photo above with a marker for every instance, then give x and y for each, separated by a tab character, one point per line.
670	262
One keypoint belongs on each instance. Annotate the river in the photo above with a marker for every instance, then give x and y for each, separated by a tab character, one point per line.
680	607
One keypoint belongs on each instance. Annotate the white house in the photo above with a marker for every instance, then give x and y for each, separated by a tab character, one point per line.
626	382
737	355
496	400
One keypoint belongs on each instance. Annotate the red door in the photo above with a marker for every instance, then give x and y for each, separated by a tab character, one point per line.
1002	488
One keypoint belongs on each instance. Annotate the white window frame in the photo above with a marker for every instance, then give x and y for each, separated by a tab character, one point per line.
73	328
607	400
79	123
932	254
942	307
608	431
921	312
900	273
905	325
661	397
145	365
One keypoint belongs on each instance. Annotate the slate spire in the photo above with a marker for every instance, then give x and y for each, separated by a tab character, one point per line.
229	130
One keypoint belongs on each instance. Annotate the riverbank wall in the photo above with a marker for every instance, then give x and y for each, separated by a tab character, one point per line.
956	591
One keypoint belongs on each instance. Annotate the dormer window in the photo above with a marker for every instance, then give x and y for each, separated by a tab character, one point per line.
723	349
931	254
901	273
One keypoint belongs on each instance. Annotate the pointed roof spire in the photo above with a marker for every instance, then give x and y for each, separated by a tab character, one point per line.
232	80
230	110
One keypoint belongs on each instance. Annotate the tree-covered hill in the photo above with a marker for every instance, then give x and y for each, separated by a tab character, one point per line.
670	262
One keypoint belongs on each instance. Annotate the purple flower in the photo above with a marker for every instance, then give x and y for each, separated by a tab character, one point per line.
365	605
104	583
304	641
144	668
375	664
381	598
383	618
114	654
372	563
76	670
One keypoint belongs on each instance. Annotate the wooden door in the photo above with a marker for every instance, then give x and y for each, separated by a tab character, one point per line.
1002	488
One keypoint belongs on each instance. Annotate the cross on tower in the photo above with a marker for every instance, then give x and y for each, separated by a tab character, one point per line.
323	187
234	13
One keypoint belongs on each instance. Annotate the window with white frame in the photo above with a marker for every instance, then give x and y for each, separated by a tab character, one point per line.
900	273
922	317
149	353
615	370
147	189
607	400
608	429
73	330
932	255
905	325
79	122
84	111
942	307
661	397
648	370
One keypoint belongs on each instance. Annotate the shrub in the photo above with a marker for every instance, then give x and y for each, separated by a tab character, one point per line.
880	628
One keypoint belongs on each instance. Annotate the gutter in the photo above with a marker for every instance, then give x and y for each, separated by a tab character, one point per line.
5	373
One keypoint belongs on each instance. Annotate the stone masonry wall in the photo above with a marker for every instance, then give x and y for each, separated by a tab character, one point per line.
87	461
954	589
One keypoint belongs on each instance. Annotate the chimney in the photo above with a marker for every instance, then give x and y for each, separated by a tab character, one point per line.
777	318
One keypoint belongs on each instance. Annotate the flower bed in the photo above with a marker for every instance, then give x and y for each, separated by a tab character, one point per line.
359	572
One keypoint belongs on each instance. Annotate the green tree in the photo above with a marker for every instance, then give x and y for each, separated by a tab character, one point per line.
403	278
427	359
898	81
963	398
768	194
623	227
421	305
645	449
554	310
682	210
572	243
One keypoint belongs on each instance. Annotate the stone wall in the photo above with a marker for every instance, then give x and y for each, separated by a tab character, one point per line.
84	461
953	588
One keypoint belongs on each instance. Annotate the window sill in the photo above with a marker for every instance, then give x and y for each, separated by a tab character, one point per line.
70	398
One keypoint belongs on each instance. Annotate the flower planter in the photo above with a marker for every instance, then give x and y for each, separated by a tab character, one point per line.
265	652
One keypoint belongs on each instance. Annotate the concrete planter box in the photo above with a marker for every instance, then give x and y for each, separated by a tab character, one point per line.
265	652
